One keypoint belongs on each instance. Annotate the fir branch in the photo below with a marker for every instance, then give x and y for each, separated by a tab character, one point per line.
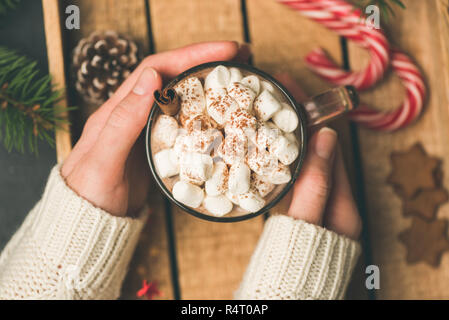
6	5
27	111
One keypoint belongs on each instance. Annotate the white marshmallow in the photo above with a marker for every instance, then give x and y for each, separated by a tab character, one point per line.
261	161
233	148
166	163
267	133
242	122
185	143
174	157
183	118
265	85
165	131
207	141
239	178
218	78
280	175
195	167
284	150
181	131
251	201
199	122
291	137
286	119
252	82
236	75
182	145
262	186
191	94
213	142
214	95
217	205
242	94
234	198
220	110
203	141
188	194
265	106
218	182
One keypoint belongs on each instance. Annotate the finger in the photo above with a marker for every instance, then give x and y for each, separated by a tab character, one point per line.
292	86
171	63
312	188
126	122
168	64
243	53
341	214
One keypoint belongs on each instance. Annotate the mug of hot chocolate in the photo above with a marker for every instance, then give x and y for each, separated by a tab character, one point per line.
226	141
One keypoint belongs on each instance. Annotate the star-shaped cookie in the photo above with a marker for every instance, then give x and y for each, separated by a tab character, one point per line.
413	170
425	204
425	241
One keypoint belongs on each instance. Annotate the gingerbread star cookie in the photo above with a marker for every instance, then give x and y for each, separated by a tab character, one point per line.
425	204
425	241
412	171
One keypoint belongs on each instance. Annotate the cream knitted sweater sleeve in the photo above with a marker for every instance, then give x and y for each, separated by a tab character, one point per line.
296	260
67	249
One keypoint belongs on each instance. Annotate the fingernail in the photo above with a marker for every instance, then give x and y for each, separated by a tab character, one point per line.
244	50
244	46
326	143
144	84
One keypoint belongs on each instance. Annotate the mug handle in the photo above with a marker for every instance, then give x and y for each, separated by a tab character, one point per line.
330	105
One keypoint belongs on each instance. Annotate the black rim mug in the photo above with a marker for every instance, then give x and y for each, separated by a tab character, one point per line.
314	112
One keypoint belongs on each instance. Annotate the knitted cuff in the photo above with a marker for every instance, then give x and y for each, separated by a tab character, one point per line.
297	260
89	248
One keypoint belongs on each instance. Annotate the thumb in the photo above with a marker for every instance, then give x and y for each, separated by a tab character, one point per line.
312	188
126	121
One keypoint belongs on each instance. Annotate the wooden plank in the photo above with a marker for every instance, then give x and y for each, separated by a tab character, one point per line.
211	256
126	17
55	55
421	31
443	8
151	261
177	23
280	40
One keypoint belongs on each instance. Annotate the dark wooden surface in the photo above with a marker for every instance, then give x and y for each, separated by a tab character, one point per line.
175	249
166	255
190	258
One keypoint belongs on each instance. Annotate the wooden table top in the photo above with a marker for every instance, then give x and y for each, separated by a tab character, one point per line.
194	259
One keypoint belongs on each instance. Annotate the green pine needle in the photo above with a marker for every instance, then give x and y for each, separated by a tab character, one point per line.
6	5
27	111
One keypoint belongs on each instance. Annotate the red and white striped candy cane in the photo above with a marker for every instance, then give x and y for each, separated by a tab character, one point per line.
336	16
344	19
410	108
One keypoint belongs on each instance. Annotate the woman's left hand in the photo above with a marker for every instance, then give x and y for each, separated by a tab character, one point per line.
107	166
322	194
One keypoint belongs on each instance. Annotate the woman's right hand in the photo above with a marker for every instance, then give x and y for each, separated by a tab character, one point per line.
322	194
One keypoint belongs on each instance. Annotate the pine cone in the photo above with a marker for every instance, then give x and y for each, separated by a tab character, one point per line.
101	63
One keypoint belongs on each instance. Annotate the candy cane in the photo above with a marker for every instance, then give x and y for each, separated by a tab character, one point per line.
344	19
411	107
350	25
